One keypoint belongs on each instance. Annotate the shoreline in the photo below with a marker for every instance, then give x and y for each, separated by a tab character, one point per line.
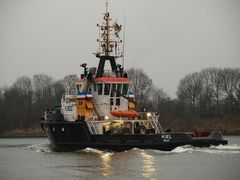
33	132
32	136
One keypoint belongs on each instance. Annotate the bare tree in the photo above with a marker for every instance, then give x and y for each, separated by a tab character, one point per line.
42	84
215	83
141	85
2	110
69	83
206	99
190	89
18	100
157	98
58	91
231	86
24	88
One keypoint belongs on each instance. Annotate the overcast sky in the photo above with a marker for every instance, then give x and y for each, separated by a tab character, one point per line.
167	38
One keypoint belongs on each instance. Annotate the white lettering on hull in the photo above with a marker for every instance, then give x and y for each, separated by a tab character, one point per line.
166	137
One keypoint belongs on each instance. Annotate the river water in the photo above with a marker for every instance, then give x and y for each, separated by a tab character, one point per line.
31	158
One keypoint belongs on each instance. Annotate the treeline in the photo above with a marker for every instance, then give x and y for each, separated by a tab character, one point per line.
210	97
22	104
211	93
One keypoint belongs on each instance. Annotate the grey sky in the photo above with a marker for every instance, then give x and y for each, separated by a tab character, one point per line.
167	38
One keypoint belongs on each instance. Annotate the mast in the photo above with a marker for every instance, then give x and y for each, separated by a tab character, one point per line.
123	52
109	44
107	30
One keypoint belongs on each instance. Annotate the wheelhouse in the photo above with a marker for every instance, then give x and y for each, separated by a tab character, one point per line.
113	87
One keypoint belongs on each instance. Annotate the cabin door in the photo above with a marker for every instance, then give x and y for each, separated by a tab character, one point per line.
115	97
115	103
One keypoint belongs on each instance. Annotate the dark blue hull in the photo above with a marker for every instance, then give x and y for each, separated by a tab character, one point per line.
70	136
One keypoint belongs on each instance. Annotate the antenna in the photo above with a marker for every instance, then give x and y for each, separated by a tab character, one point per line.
106	3
109	40
124	25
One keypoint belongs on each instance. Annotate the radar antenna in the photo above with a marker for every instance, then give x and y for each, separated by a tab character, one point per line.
109	43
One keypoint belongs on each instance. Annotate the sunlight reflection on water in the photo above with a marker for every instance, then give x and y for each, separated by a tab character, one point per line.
148	166
106	167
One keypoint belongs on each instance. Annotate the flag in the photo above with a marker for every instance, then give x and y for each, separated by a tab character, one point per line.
117	27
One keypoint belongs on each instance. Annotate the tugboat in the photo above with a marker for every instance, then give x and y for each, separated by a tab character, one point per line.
101	111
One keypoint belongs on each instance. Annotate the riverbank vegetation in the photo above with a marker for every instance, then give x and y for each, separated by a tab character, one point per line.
206	100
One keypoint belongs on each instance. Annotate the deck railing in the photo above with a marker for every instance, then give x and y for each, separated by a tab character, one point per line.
93	122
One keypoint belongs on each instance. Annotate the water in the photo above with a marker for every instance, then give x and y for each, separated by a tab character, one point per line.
31	158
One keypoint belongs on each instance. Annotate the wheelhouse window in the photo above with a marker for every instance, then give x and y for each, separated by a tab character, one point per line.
118	102
111	101
107	89
119	88
125	89
94	87
99	89
113	90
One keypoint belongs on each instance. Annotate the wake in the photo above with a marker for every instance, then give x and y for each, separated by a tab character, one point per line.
221	149
43	148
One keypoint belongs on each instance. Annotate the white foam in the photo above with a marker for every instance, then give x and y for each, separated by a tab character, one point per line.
136	149
227	147
183	149
221	149
91	150
43	147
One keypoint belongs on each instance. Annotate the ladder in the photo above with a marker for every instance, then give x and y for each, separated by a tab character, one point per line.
92	127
